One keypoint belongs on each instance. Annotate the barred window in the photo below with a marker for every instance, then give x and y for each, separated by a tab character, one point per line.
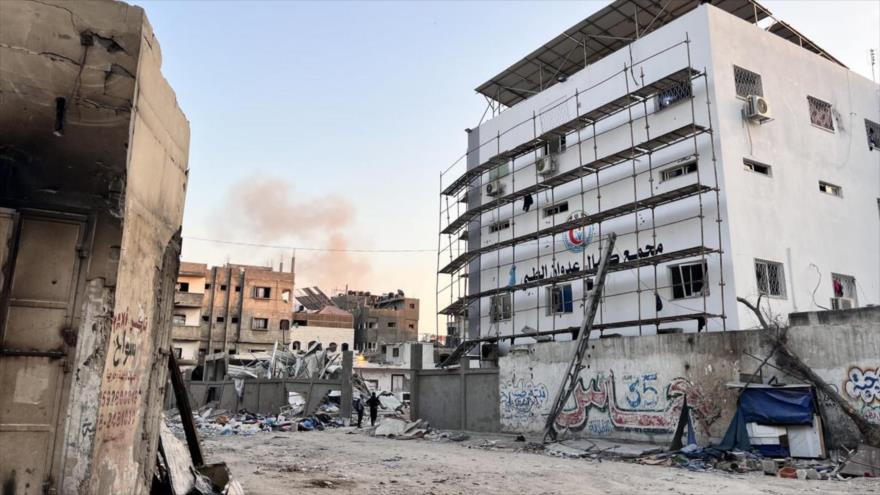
689	280
556	209
498	226
747	82
673	95
771	278
678	171
500	307
260	323
820	113
872	129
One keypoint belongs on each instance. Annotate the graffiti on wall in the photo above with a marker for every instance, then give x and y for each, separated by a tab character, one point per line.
863	385
522	401
644	406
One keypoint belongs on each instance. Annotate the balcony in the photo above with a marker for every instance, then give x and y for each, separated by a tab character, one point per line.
188	299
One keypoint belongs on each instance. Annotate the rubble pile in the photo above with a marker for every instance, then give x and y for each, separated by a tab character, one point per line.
315	363
211	420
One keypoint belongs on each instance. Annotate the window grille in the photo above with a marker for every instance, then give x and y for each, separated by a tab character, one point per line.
820	113
872	129
689	280
500	307
771	278
747	82
557	208
674	95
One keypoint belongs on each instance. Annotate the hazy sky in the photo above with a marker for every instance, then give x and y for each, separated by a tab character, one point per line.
327	124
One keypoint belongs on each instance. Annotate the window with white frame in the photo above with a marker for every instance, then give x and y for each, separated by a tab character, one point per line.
757	167
872	131
831	189
747	82
260	323
689	280
770	276
397	383
559	299
820	113
556	209
262	292
499	226
678	171
499	307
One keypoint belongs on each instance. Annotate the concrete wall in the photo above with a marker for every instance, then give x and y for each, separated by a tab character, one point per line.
458	399
633	387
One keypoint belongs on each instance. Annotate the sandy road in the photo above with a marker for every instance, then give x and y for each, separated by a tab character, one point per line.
342	462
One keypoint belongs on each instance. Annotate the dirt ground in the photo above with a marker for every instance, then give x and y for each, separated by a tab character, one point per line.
347	461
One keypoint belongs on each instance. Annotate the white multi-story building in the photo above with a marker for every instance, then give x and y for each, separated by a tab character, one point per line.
731	156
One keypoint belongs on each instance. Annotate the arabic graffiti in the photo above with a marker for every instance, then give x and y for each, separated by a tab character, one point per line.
522	401
599	395
591	263
863	385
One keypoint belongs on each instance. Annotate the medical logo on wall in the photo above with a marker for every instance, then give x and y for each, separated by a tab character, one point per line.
576	240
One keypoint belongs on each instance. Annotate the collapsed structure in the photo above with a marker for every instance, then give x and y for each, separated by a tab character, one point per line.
93	168
699	133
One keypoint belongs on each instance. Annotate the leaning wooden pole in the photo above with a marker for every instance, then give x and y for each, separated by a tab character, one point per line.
583	340
787	359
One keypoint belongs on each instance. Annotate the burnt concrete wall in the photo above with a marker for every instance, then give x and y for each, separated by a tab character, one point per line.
458	399
632	388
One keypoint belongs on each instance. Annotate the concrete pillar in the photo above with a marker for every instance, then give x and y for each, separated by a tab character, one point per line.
462	385
415	366
345	404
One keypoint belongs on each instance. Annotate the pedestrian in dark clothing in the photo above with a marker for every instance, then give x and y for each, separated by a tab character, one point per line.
373	404
359	409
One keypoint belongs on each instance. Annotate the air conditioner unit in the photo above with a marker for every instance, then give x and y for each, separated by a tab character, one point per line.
546	165
757	109
493	188
842	303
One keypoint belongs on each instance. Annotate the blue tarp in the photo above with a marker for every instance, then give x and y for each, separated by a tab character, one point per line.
777	406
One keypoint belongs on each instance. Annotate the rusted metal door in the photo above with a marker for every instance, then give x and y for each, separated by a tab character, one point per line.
41	260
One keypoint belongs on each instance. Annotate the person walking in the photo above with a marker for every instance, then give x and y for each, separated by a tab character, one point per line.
373	404
359	409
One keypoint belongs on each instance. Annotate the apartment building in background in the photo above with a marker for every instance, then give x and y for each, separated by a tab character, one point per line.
379	319
731	156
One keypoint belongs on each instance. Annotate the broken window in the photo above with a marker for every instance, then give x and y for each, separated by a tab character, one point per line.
758	168
678	171
296	345
179	320
830	189
284	325
771	278
689	280
820	113
395	352
371	324
397	383
845	296
555	209
178	352
747	82
262	292
183	286
207	286
554	146
392	324
234	319
559	299
300	323
499	307
872	130
498	226
237	288
412	306
673	95
384	349
220	319
412	326
223	287
260	323
285	295
206	318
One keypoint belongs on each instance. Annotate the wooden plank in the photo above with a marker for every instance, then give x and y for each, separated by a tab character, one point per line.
186	415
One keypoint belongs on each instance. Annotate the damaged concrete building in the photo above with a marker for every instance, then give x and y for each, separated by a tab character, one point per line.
93	174
381	318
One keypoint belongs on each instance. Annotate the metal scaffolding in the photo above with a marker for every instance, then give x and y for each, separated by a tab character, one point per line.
640	102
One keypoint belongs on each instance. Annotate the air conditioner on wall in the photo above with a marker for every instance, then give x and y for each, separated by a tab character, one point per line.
842	303
757	109
546	165
493	188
